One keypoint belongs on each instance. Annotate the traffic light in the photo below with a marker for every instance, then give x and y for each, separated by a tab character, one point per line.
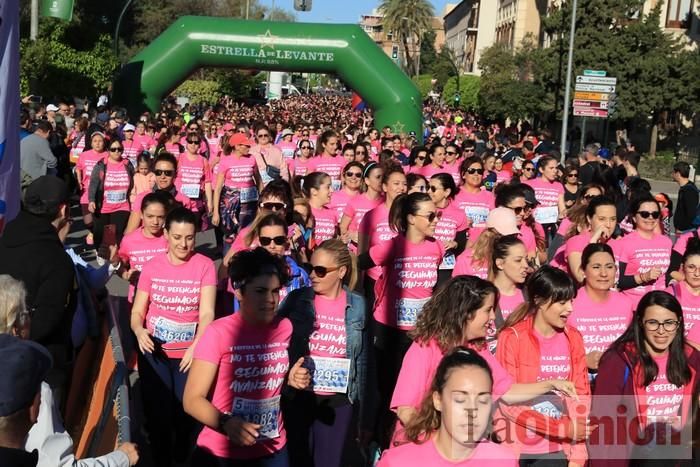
395	52
457	98
302	5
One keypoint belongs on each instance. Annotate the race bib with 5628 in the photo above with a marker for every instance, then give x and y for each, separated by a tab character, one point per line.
170	331
408	309
330	374
263	412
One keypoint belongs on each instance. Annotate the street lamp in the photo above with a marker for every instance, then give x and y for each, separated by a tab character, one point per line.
118	27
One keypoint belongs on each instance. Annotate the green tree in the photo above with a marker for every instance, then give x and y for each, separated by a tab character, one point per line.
424	84
428	54
444	67
408	19
469	87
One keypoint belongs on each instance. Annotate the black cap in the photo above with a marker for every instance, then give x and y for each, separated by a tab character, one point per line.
530	197
23	365
45	194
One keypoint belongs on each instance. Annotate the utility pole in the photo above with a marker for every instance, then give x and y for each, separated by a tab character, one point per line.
34	20
567	90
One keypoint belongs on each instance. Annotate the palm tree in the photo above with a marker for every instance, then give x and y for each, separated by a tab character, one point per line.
408	19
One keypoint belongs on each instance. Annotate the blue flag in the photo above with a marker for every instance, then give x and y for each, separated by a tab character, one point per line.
9	111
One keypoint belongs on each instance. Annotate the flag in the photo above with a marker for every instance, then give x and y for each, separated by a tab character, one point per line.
357	103
9	110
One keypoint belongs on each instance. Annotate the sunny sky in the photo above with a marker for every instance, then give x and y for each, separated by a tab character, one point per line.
339	11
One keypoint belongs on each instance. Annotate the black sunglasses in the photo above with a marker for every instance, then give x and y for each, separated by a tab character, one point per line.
528	169
572	175
353	174
475	171
647	214
518	210
450	152
321	271
305	147
167	173
433	188
279	240
420	158
273	206
263	135
116	149
193	141
432	216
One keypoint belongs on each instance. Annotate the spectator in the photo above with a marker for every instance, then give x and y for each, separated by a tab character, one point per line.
36	158
590	165
25	124
32	252
23	365
687	203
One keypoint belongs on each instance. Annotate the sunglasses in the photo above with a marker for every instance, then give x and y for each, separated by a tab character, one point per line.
280	240
353	174
304	134
589	197
306	147
321	271
360	153
528	169
194	141
434	188
518	210
450	152
263	135
432	216
420	158
273	206
469	150
116	149
647	214
167	173
572	175
475	171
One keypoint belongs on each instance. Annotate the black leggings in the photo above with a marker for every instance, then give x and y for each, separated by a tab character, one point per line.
118	218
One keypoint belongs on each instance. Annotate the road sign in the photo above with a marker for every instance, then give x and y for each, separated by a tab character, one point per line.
596	80
592	104
594	73
591	96
587	112
595	87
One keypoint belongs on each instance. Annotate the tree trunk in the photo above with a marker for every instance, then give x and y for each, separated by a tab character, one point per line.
654	137
407	54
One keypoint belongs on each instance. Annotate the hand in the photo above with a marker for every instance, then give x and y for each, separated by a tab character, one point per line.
565	387
470	222
654	274
593	359
299	377
210	209
131	451
144	340
108	252
678	276
449	244
132	276
579	429
354	237
297	233
600	234
240	432
215	219
92	207
186	361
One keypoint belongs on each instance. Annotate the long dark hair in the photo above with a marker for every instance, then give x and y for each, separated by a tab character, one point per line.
677	369
403	206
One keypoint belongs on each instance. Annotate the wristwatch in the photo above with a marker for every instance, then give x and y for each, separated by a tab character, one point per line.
223	418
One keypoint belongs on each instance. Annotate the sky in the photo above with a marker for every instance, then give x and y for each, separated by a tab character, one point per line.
339	11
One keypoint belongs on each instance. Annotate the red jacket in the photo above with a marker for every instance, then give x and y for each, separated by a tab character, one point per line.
618	382
518	351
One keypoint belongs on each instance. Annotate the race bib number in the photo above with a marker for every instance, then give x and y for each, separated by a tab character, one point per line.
170	331
330	374
408	309
547	215
113	197
263	412
336	185
478	215
448	262
191	190
552	406
248	195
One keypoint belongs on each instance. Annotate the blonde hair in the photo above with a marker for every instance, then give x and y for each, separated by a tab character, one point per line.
12	302
343	257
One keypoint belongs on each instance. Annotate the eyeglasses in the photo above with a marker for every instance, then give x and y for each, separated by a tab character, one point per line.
528	169
434	188
360	153
431	217
167	173
304	134
194	141
420	158
669	325
691	268
263	135
574	175
273	206
647	214
353	174
116	150
321	271
279	240
518	209
475	171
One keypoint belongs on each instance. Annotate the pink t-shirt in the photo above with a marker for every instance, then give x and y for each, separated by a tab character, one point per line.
527	235
476	205
132	149
192	175
691	310
238	171
682	242
116	187
179	197
357	207
452	220
641	255
453	169
144	141
333	166
429	170
600	323
663	398
465	265
409	274
174	293
503	176
137	250
287	148
252	366
214	146
375	226
486	454
508	303
86	162
326	223
418	370
340	199
547	193
299	167
142	183
174	148
327	344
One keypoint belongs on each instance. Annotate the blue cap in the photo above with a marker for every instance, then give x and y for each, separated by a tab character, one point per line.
23	366
604	153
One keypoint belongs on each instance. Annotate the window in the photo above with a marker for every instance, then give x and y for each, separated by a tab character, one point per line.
390	36
678	13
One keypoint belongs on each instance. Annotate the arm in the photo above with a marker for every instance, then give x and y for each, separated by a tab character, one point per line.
138	315
461	240
561	204
134	221
344	224
217	197
47	156
95	182
364	261
574	260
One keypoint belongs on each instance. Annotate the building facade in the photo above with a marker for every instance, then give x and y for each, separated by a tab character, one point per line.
469	29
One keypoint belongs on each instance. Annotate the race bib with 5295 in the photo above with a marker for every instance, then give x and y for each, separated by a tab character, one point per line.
330	374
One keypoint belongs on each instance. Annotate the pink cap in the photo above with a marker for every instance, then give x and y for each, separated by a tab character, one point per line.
229	127
503	220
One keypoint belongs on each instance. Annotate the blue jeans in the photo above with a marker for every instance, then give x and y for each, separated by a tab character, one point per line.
202	458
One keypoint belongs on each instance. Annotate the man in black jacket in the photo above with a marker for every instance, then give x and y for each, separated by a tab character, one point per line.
687	202
32	252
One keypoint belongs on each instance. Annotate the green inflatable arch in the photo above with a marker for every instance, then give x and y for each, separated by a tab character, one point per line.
346	50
